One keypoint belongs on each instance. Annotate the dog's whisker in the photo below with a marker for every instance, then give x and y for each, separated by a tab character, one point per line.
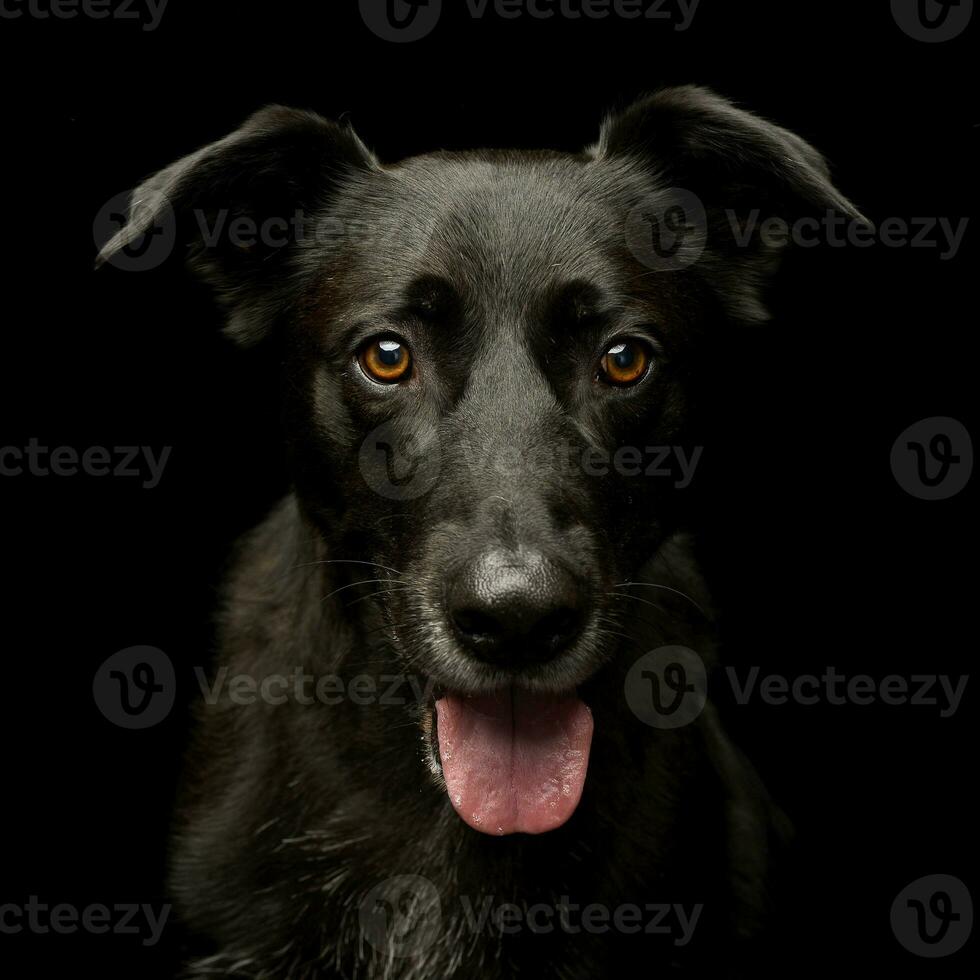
634	598
631	640
373	595
612	615
364	581
405	624
667	588
348	561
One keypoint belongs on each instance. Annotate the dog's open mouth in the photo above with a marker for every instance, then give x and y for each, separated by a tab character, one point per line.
514	761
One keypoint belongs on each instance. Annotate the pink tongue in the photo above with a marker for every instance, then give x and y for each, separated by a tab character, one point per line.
514	762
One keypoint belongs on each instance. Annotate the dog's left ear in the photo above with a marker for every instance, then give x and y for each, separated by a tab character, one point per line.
741	168
232	209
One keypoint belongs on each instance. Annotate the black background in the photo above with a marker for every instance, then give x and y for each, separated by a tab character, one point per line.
817	555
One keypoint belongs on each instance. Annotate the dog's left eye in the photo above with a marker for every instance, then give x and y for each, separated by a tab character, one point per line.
386	360
625	363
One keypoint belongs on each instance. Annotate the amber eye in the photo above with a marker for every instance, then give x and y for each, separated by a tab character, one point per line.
625	363
387	360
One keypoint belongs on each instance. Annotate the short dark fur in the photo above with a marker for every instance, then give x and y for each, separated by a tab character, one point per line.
506	271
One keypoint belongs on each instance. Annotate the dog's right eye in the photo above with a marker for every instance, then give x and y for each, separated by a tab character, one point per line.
386	360
625	363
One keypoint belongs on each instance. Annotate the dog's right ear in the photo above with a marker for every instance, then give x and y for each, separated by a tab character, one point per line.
232	207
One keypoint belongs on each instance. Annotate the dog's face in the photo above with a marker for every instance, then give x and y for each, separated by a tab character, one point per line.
467	377
481	354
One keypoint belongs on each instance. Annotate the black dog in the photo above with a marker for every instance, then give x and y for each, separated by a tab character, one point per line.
470	565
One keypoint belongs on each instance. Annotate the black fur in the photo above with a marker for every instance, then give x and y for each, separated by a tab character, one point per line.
506	272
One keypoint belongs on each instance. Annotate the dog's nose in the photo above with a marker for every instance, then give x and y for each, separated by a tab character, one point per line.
513	608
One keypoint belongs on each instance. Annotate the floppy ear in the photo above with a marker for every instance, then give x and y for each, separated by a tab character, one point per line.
233	208
736	171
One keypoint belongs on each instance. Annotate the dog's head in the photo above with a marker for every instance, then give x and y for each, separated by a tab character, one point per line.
483	356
